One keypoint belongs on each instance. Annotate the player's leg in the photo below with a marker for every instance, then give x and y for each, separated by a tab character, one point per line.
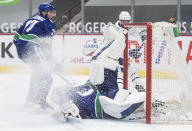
41	78
40	85
25	52
123	104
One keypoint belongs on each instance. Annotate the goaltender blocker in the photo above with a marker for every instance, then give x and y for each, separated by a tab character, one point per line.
100	96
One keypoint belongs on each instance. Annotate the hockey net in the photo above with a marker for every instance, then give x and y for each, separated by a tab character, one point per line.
155	55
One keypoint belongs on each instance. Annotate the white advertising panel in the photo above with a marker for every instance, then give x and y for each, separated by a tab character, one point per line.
9	61
78	50
74	51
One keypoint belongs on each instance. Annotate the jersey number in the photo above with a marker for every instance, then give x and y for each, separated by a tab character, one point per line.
30	24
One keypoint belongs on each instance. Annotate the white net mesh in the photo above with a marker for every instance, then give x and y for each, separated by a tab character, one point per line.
171	80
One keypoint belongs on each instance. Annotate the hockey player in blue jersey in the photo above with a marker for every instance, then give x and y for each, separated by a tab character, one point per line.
101	96
33	44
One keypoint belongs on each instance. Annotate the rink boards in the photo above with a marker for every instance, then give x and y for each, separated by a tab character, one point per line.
74	51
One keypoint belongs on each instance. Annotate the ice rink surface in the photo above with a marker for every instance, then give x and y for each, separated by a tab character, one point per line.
16	116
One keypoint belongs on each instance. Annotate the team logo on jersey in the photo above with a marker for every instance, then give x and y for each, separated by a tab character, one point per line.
85	92
9	2
90	47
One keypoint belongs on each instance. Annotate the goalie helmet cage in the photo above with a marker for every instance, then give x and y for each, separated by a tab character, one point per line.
155	44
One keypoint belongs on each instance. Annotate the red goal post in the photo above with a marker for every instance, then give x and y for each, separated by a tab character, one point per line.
148	65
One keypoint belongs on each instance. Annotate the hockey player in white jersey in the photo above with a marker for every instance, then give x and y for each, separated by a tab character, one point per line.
101	97
124	18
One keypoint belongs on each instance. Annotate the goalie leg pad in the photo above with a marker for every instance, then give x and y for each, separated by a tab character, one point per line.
122	109
97	72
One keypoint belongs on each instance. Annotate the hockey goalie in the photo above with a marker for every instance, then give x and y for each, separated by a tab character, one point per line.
102	96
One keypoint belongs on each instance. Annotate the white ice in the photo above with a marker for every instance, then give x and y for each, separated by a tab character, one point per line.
16	116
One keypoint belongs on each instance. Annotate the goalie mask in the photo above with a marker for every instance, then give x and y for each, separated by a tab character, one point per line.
124	17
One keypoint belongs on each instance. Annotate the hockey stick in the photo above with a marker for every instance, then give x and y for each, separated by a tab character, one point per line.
64	79
44	63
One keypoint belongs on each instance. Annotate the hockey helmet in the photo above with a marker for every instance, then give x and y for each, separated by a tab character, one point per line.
46	7
124	16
